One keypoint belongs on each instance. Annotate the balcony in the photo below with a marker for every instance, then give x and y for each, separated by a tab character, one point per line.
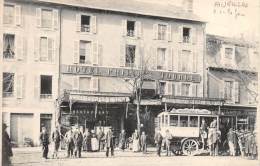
8	94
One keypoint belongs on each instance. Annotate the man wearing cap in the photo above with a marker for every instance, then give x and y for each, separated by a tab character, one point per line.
44	139
6	147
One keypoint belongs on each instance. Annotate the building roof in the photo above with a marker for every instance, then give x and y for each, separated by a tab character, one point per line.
129	7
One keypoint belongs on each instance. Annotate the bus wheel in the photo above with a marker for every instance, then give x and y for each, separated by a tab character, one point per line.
190	147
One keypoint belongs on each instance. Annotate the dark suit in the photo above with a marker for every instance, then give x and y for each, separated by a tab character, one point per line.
78	140
158	141
44	138
110	143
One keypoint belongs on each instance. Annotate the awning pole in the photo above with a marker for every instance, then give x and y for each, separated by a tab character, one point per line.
165	107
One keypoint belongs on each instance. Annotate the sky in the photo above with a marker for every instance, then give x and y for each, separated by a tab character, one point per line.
222	20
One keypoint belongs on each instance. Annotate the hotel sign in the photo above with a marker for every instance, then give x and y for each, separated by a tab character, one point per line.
129	73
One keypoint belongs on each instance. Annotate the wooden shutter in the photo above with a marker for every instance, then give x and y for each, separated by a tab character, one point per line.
122	55
139	29
153	58
169	32
76	52
221	89
38	17
178	89
194	90
170	59
93	24
95	53
155	31
175	58
55	15
236	94
20	86
194	61
124	27
75	84
37	86
95	83
180	32
54	51
78	22
138	56
174	89
18	20
169	88
36	48
50	48
179	60
19	47
194	35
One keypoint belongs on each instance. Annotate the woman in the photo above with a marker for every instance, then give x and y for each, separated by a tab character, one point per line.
94	141
136	141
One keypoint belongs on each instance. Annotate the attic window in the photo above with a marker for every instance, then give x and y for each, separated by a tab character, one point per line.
186	35
85	23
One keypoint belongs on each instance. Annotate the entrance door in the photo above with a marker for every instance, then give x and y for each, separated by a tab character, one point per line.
45	121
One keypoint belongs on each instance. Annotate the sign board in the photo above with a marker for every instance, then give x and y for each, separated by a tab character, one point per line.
103	99
193	101
191	111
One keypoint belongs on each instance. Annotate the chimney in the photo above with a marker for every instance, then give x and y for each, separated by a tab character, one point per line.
187	5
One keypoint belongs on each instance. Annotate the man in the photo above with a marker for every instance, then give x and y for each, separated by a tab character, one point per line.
241	141
158	141
122	139
203	133
232	142
100	136
56	140
69	142
6	147
44	139
136	141
168	138
78	140
143	142
213	138
110	142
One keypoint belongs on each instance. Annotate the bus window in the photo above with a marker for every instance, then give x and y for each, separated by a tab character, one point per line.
162	124
193	121
166	120
183	121
173	120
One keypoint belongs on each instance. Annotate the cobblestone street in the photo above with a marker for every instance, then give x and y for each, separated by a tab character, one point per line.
32	157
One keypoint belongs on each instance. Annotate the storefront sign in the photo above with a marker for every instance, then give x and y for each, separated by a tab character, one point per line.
99	99
191	111
192	101
129	73
238	112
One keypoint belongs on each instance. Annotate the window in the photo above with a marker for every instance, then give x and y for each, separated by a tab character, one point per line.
8	46
166	120
183	121
161	59
162	88
130	55
84	52
186	35
84	83
162	32
185	59
228	90
229	53
185	89
193	121
85	23
8	14
8	84
46	17
173	120
46	87
131	28
46	49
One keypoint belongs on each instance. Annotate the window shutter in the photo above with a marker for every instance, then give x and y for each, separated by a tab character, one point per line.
75	85
236	95
137	57
155	31
19	46
194	90
38	17
54	50
37	86
18	20
124	27
122	55
170	59
76	52
194	35
169	32
95	83
95	53
36	48
153	58
78	22
20	86
174	89
195	61
221	89
50	48
55	15
169	88
175	58
179	60
139	29
180	32
94	24
178	89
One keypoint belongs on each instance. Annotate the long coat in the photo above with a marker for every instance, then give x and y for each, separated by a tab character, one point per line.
6	148
109	139
158	138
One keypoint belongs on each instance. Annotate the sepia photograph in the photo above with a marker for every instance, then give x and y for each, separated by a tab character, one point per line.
129	82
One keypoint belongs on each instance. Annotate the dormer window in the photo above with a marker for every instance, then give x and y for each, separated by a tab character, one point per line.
186	35
85	23
131	28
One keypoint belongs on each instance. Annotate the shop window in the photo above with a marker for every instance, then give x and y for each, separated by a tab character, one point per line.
8	84
186	35
84	52
85	23
46	87
162	32
8	50
193	121
183	121
46	18
228	86
9	14
130	55
162	86
161	59
185	59
173	120
185	89
84	83
131	28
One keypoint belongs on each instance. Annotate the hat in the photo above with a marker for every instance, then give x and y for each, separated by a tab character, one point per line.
4	126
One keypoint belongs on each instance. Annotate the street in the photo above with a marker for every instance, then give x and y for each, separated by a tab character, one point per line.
32	157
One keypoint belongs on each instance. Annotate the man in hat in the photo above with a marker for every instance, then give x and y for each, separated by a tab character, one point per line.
69	142
44	139
6	147
110	142
78	140
158	141
56	140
